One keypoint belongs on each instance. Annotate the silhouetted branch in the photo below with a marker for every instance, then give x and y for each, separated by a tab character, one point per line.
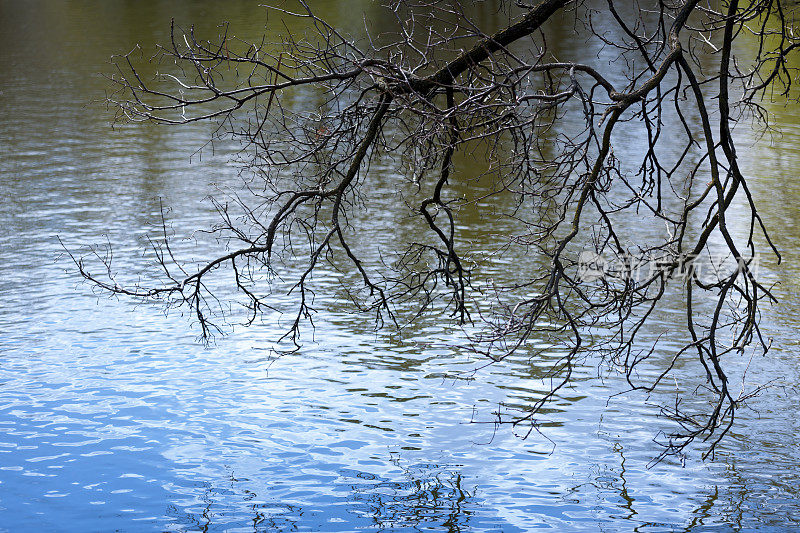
424	94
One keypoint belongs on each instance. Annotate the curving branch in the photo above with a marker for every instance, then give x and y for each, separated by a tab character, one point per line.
424	92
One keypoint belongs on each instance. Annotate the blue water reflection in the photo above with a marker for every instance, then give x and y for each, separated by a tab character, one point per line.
113	417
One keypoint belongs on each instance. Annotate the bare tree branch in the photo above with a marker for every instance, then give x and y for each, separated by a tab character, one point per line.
547	126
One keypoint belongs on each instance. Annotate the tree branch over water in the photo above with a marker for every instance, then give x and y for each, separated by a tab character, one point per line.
550	125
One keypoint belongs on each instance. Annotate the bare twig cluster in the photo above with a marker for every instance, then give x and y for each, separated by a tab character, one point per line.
433	84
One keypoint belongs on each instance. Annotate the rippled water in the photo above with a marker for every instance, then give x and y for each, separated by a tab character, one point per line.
113	417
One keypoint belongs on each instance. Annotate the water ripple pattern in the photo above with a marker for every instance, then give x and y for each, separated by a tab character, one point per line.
114	417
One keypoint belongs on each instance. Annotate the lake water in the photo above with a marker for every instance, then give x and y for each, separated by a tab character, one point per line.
114	417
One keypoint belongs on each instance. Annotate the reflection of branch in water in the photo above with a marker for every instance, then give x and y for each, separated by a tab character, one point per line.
194	521
608	479
222	509
429	496
703	513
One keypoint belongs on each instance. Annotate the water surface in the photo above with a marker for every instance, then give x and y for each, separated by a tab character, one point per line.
114	417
